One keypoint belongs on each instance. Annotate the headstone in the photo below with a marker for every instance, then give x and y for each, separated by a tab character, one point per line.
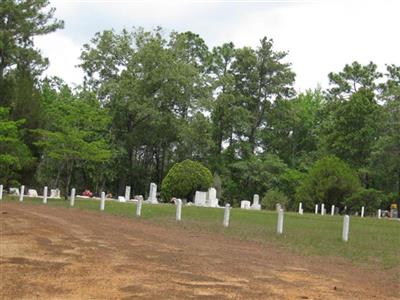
72	198
245	204
45	195
102	200
379	213
127	193
346	225
14	191
278	207
200	198
362	211
226	215
301	211
21	194
322	209
32	193
332	210
1	192
121	199
279	228
316	209
152	194
256	202
139	207
300	208
212	200
178	203
55	193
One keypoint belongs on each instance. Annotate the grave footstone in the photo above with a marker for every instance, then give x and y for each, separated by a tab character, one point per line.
1	192
72	198
139	207
226	215
102	201
322	209
178	203
21	194
316	209
346	225
379	213
279	228
300	208
45	195
332	210
362	212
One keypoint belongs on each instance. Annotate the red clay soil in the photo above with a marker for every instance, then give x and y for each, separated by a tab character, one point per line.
56	253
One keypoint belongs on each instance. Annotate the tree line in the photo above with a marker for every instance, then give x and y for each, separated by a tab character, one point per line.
150	99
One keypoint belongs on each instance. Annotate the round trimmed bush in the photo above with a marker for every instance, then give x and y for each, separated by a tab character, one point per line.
184	179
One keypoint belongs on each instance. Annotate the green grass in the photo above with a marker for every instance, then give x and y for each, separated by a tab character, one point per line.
372	242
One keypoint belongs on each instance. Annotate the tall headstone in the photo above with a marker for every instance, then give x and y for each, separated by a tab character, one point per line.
279	228
139	207
153	194
346	226
212	200
379	213
21	194
245	204
300	208
178	203
332	210
102	200
316	209
1	192
127	193
45	195
200	198
322	209
72	198
226	215
256	202
362	211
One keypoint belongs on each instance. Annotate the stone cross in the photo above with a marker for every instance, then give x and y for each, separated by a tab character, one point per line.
1	191
127	193
316	209
379	213
102	200
72	199
362	211
21	195
45	195
346	225
139	207
332	210
226	215
178	209
279	228
322	209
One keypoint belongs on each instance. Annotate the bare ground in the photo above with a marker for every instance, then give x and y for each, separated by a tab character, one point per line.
56	253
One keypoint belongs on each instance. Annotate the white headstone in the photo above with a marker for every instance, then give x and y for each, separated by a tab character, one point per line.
14	191
21	194
32	193
127	193
332	210
1	191
139	207
322	209
362	211
212	200
153	194
379	213
300	208
72	198
55	193
45	195
178	203
346	225
279	228
245	204
226	215
102	200
200	198
121	199
316	209
256	202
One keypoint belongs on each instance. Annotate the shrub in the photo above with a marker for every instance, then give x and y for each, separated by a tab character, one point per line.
184	178
272	197
369	198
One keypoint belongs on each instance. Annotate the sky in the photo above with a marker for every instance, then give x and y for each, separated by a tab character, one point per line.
321	36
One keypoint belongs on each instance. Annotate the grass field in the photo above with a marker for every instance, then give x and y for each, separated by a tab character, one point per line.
372	242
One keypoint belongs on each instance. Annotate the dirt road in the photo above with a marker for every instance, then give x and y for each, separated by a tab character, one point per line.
56	253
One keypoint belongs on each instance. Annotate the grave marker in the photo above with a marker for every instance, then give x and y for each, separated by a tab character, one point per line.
362	211
45	195
102	200
139	207
21	194
127	193
346	225
379	213
322	209
72	198
1	192
300	208
226	215
279	228
178	203
332	210
316	209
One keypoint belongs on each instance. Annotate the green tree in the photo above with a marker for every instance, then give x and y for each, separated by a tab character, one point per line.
184	179
329	181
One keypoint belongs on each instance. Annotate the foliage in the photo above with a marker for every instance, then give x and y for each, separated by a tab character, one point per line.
371	199
184	179
329	181
272	198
